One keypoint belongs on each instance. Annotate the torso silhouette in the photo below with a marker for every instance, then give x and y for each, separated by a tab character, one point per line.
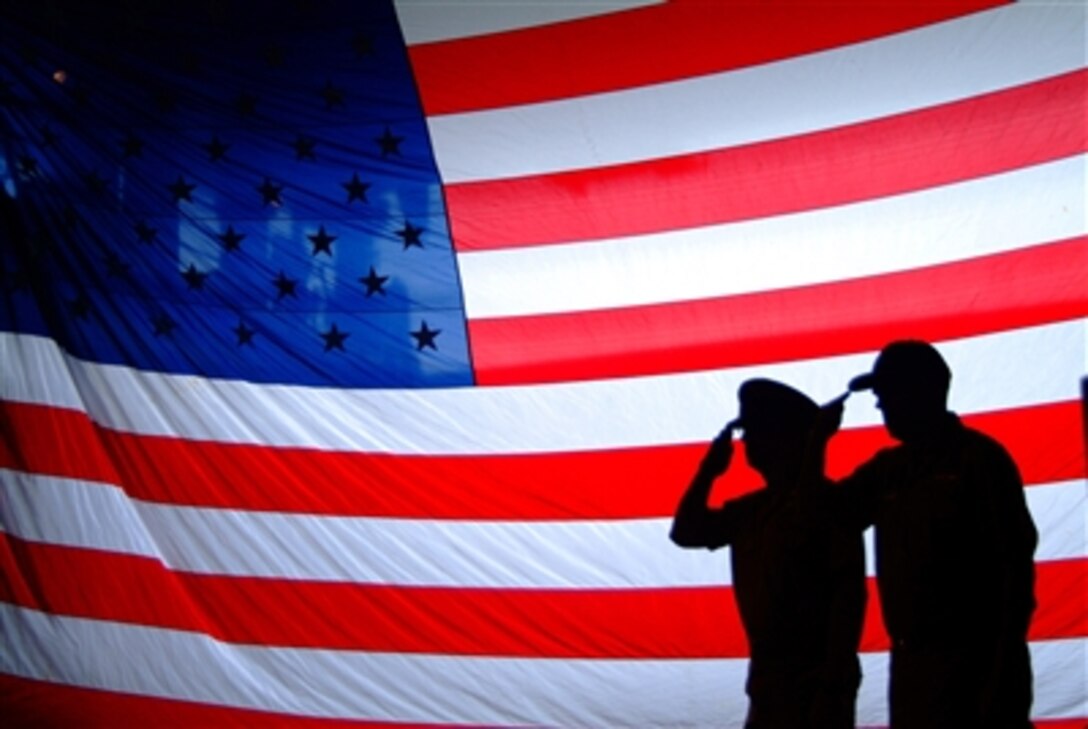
793	561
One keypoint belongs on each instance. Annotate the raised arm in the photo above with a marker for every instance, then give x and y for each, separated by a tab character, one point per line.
695	523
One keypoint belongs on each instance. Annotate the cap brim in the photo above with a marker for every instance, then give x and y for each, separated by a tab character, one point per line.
862	382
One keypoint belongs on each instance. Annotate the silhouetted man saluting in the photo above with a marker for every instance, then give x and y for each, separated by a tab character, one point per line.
798	572
954	552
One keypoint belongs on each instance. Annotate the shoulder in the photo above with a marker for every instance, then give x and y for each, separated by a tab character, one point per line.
751	501
985	449
746	509
982	441
886	461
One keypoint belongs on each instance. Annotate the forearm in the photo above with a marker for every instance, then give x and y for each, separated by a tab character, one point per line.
695	522
692	521
847	615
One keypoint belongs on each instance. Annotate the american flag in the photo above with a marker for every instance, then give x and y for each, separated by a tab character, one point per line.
356	354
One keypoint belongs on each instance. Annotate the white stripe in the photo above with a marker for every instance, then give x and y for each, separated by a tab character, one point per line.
632	553
491	691
991	372
946	224
946	62
425	21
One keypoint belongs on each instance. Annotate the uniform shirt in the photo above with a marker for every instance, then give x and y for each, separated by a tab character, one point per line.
954	538
799	581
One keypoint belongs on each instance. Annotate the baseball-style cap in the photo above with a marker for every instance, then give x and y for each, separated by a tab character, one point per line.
906	364
773	405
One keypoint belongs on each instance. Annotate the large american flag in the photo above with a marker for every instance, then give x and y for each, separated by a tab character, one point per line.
354	356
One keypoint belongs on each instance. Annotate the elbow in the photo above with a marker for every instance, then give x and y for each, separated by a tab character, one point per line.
685	538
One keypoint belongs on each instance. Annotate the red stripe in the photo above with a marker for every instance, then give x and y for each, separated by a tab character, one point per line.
994	133
1044	283
55	441
29	703
637	47
645	623
1044	440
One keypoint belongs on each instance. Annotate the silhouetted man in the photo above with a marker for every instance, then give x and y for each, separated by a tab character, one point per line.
798	573
954	553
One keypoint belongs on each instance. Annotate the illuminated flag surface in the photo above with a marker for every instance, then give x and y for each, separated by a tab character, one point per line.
355	356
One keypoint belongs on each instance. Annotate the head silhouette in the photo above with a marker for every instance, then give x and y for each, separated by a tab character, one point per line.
778	423
910	380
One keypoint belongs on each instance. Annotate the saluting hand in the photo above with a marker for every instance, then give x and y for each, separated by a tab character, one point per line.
829	419
720	453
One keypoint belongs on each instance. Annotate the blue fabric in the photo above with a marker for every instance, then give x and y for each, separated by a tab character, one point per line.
243	191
